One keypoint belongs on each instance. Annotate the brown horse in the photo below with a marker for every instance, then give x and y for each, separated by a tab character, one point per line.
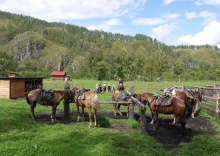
181	110
120	97
46	98
191	97
89	100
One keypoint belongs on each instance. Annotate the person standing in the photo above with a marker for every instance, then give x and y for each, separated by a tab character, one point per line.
100	87
104	87
113	88
97	87
109	88
120	81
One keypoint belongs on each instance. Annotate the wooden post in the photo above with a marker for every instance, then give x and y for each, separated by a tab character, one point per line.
131	111
66	101
142	108
143	122
131	106
217	114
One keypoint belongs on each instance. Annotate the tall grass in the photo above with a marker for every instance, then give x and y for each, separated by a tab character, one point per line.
19	135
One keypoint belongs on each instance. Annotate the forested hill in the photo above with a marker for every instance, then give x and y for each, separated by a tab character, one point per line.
34	47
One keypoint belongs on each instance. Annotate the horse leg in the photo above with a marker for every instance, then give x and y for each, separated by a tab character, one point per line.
174	119
115	107
95	112
157	126
90	116
33	105
152	115
128	111
119	111
54	108
77	107
183	123
83	114
155	118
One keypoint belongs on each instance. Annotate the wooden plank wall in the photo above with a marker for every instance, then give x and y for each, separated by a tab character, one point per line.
5	89
17	89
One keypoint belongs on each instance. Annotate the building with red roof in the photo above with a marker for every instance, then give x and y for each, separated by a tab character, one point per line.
58	75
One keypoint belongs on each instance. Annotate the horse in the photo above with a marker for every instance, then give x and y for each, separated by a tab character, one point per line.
120	97
46	98
191	97
174	105
86	99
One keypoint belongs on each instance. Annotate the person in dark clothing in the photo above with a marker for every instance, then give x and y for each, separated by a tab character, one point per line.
120	81
109	88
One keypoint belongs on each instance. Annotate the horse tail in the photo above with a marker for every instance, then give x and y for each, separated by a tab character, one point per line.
27	98
188	111
94	102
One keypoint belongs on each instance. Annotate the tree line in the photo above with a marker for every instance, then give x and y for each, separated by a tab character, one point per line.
101	55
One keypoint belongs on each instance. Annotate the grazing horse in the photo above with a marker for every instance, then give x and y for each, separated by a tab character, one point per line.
173	105
46	98
88	99
120	97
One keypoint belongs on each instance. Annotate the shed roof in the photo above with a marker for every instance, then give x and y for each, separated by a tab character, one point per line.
58	73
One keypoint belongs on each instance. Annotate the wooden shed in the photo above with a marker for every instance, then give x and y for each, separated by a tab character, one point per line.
15	87
58	75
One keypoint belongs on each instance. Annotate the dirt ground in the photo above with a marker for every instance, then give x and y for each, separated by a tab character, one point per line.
168	133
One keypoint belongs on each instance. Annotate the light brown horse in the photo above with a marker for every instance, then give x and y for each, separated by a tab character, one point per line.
115	97
48	98
89	100
181	110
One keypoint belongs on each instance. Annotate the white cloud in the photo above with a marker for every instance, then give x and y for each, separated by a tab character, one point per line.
211	2
191	15
207	15
166	2
171	15
148	21
209	35
163	31
106	25
57	10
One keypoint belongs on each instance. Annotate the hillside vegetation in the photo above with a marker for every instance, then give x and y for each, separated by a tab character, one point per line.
33	47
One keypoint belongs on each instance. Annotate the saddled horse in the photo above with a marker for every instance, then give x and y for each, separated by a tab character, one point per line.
88	99
191	97
119	98
167	105
46	98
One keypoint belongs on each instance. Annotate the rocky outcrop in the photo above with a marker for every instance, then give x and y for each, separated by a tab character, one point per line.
27	45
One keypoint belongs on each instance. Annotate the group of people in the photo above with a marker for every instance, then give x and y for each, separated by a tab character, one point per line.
104	88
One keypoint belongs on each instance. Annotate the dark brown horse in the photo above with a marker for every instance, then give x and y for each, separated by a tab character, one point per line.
120	97
46	98
89	100
176	106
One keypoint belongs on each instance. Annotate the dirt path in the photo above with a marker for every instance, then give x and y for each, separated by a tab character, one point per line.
168	133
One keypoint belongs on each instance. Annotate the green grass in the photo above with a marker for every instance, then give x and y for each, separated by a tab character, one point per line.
20	136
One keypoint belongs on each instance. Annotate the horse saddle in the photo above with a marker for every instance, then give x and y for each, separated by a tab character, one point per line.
162	100
81	93
122	95
190	94
44	95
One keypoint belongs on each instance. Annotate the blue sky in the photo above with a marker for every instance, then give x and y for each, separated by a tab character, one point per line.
173	22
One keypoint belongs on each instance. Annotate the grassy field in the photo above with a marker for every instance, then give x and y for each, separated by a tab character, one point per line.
20	136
